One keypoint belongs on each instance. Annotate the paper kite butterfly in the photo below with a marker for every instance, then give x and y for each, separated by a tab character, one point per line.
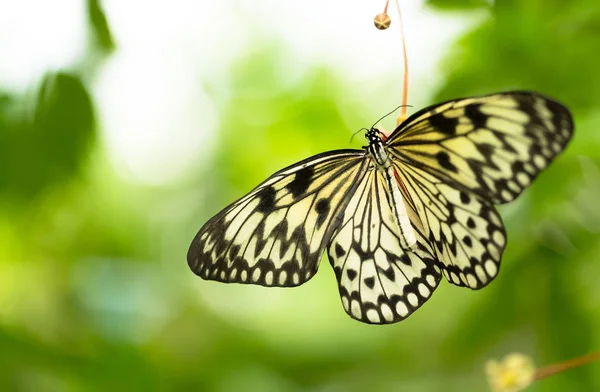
395	215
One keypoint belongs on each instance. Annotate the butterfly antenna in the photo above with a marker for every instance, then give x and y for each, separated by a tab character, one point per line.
403	115
397	107
354	134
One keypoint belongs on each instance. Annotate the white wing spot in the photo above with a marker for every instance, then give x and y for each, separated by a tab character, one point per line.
373	316
494	252
355	309
388	315
529	168
513	186
424	291
282	277
498	238
491	268
556	147
495	219
269	278
481	273
208	244
296	278
430	280
401	309
233	273
256	274
472	282
454	278
539	161
413	299
523	179
345	304
244	276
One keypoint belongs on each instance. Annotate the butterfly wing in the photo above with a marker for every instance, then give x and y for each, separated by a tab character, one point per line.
276	234
465	230
379	282
493	145
457	159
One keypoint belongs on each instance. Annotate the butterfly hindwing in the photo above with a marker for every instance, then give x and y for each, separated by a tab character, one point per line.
465	231
379	281
493	145
275	235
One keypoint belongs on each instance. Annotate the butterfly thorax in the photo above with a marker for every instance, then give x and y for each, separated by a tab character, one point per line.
376	150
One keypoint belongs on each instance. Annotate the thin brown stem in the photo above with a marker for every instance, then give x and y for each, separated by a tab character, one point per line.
566	365
405	56
386	7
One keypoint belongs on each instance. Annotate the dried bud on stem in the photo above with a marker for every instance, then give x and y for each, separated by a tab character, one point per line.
382	21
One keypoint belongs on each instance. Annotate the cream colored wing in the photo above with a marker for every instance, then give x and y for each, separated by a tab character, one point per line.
465	230
379	281
275	235
493	145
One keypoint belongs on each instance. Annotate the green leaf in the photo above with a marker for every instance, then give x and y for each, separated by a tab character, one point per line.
100	27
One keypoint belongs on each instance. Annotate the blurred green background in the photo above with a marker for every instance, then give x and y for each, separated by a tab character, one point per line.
107	172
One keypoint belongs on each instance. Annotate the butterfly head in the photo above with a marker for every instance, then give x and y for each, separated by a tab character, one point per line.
373	135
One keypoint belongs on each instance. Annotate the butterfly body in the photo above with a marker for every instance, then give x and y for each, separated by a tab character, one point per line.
378	153
397	215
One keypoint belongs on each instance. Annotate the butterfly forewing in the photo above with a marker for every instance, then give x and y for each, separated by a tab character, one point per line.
493	145
379	281
275	235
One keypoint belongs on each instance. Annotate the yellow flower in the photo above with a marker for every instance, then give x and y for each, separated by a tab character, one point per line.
513	374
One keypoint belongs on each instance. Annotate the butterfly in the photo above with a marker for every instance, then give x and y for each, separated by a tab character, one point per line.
398	214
